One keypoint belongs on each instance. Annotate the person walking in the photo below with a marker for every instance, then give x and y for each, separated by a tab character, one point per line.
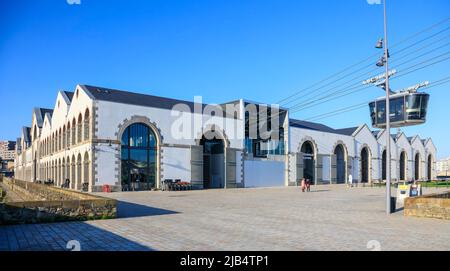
350	180
308	185
303	184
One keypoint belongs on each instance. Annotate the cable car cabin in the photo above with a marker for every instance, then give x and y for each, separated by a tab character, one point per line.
406	109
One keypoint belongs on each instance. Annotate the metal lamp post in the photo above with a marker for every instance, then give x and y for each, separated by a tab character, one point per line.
384	61
388	114
383	82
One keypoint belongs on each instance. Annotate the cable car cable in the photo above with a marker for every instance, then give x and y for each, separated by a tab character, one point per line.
364	60
366	87
409	38
359	88
365	74
359	105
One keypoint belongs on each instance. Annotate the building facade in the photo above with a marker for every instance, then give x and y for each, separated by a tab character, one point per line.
97	136
7	150
443	167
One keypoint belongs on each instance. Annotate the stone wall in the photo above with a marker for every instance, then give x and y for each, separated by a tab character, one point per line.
2	194
432	206
48	192
57	205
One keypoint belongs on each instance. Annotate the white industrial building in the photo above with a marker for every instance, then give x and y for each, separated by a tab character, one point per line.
96	136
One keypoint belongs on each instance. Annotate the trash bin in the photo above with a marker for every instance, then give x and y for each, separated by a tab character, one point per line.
393	203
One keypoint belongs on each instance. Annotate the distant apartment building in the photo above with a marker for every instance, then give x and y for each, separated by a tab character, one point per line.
443	167
7	150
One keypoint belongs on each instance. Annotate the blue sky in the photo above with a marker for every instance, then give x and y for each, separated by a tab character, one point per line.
220	49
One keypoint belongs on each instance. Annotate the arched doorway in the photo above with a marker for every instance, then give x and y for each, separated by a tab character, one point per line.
213	162
340	164
429	167
68	176
59	178
417	167
365	166
383	166
138	158
307	150
79	177
63	171
35	166
86	182
403	166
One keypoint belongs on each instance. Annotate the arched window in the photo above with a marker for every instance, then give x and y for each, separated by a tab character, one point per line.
86	125
68	135
60	145
74	132
64	137
79	128
57	141
138	158
53	143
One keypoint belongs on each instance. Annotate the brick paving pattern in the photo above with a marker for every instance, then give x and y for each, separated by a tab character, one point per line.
328	218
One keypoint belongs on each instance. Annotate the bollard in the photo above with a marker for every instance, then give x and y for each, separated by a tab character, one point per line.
393	207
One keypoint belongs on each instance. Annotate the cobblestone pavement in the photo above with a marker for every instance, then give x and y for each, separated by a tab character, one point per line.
328	218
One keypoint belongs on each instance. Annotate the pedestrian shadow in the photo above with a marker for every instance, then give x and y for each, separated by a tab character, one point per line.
319	191
64	236
129	210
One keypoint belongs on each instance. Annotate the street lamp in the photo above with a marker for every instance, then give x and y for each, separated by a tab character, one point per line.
384	61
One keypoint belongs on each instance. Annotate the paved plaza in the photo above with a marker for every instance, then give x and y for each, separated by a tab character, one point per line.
328	218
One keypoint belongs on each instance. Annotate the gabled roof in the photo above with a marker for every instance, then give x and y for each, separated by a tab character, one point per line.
126	97
310	126
429	140
26	134
376	133
322	128
69	94
347	131
40	115
412	138
49	117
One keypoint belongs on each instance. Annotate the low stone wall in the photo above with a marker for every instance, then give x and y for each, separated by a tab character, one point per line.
45	191
432	206
2	194
57	205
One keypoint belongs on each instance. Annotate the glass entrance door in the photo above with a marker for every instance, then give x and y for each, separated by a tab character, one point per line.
138	158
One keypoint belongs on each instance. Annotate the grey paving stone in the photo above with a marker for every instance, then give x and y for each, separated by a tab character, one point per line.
329	218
